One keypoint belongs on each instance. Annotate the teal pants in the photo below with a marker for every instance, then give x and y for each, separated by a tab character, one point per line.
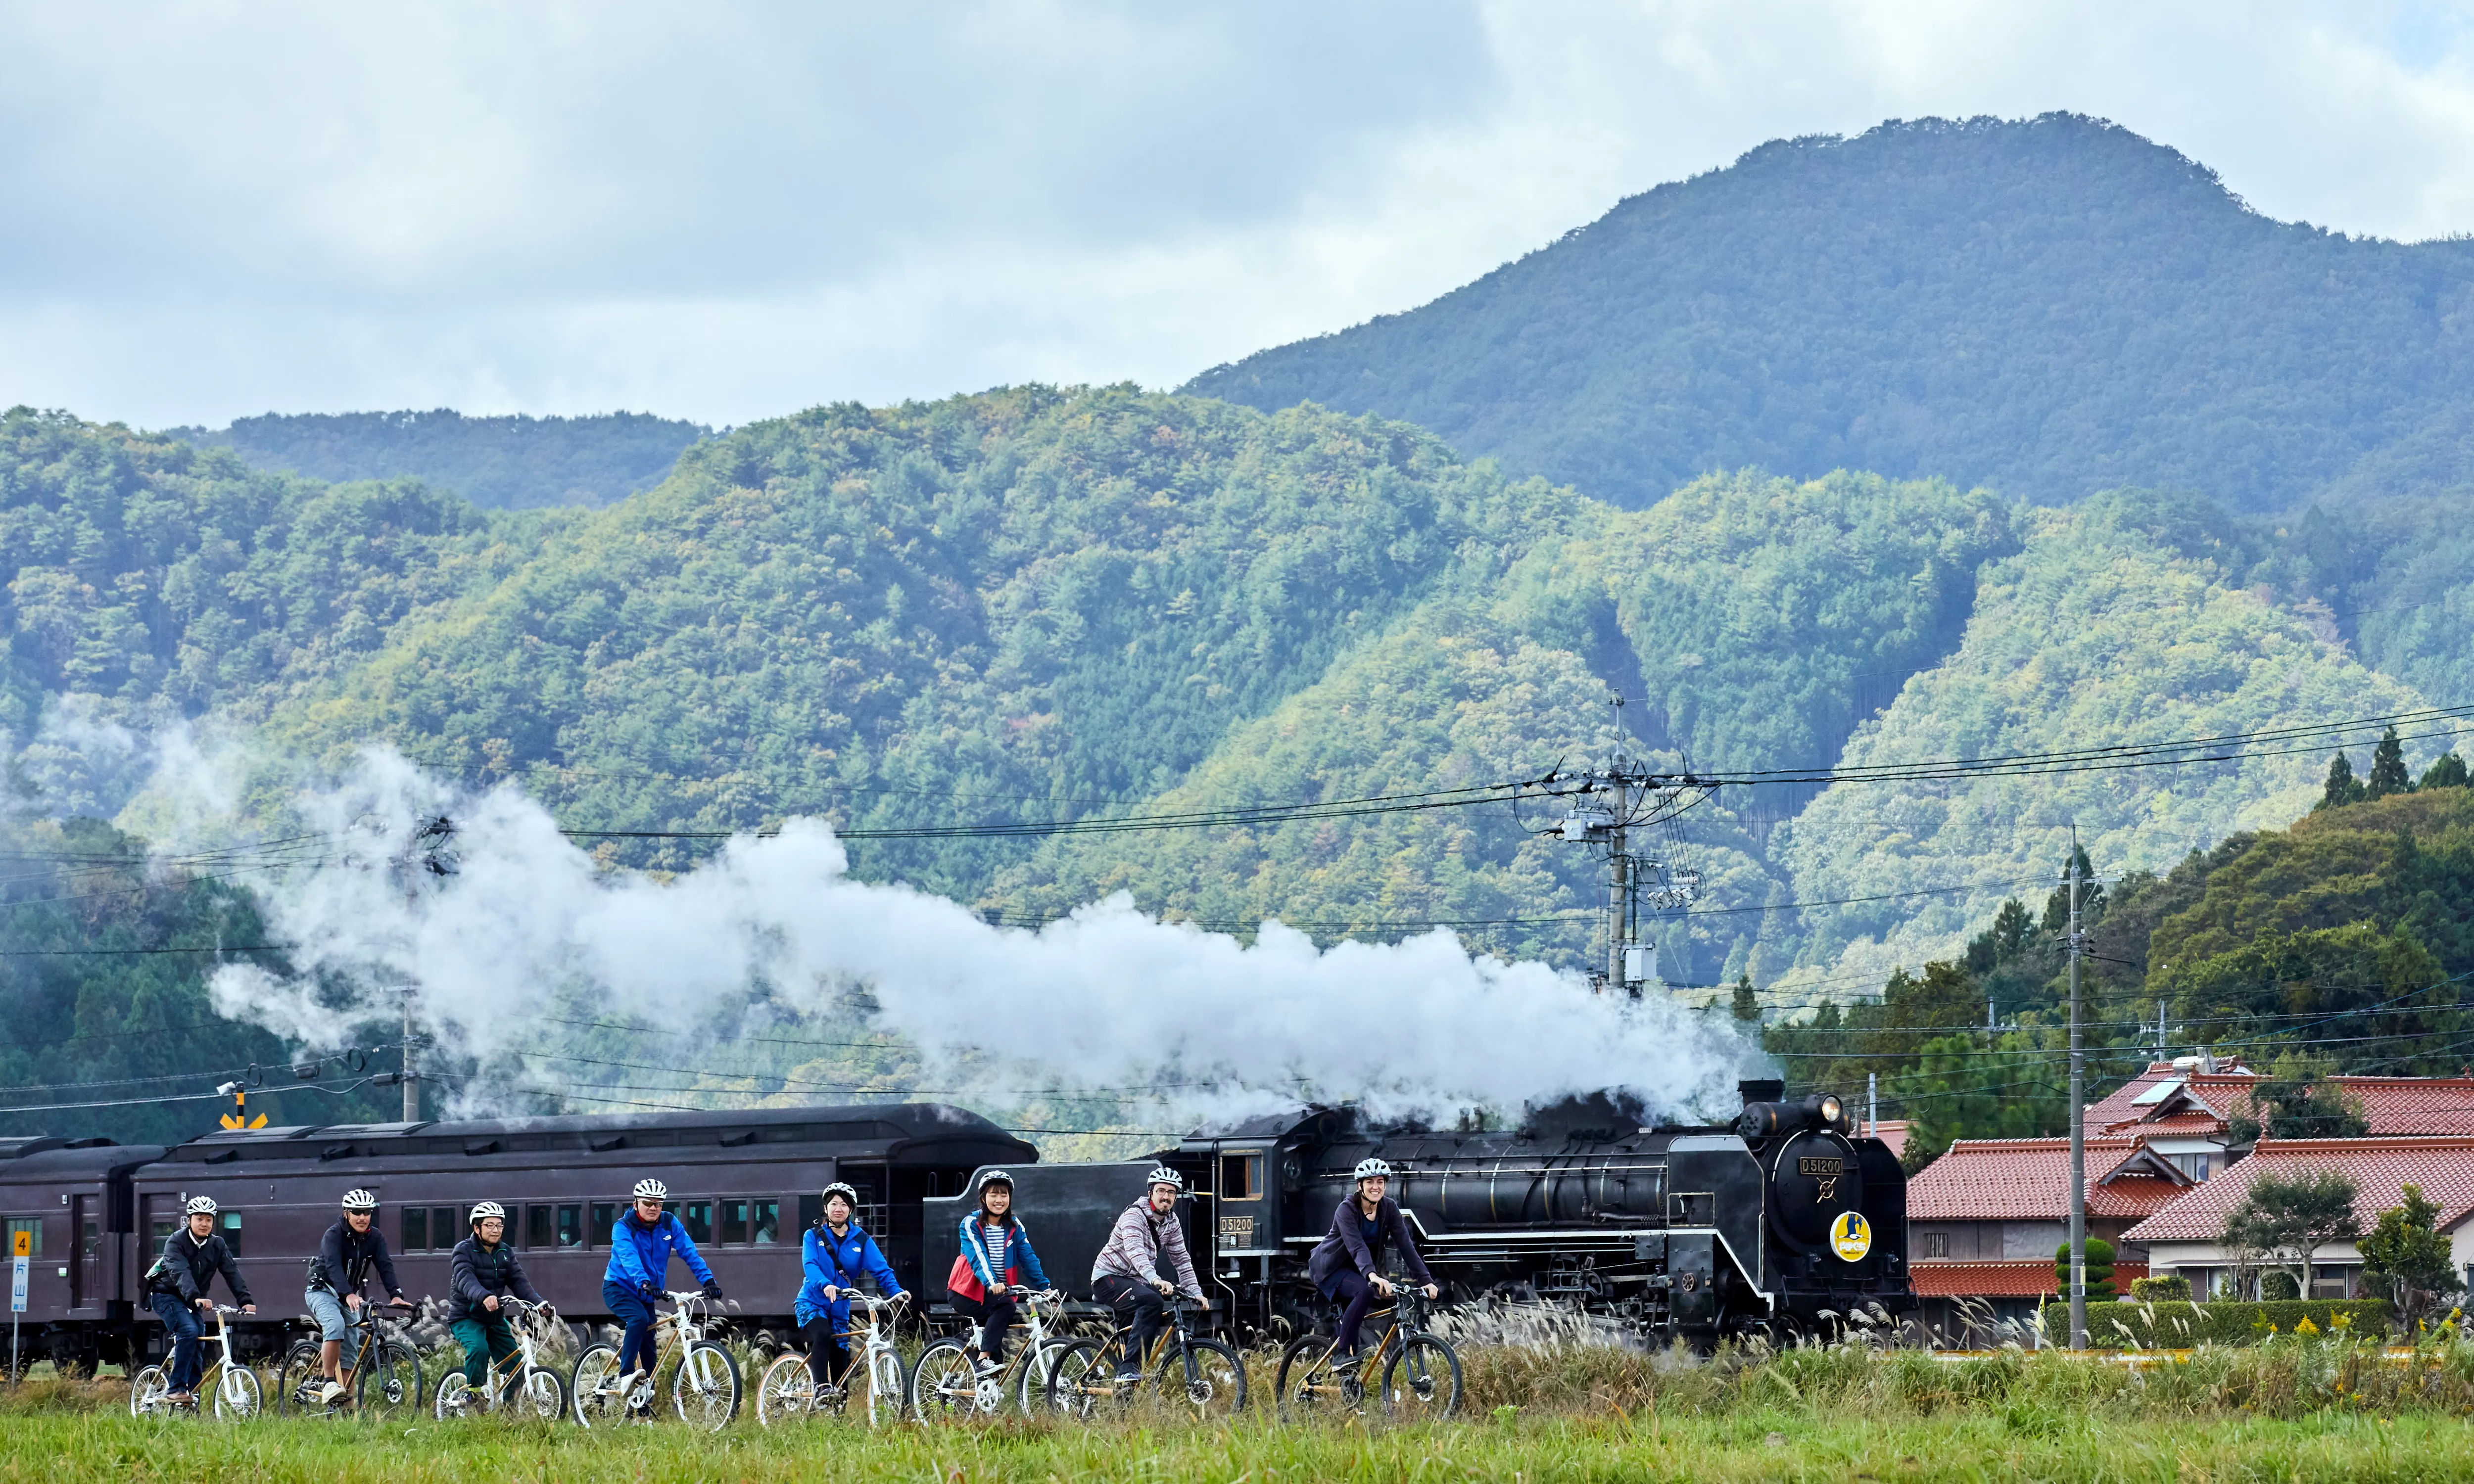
486	1340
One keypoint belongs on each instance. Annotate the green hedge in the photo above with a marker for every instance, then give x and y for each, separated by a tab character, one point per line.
2170	1326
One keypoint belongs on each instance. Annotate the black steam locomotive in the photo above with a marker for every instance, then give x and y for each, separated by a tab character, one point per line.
1771	1226
1779	1225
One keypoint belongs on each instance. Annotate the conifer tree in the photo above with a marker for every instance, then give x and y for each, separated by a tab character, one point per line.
1748	1006
2388	767
2342	788
2446	771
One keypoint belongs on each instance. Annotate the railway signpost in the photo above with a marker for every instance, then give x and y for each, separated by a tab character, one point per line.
21	1261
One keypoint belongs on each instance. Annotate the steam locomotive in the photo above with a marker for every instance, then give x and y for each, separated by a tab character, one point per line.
1776	1224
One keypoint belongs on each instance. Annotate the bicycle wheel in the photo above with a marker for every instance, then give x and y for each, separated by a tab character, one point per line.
237	1394
456	1398
1080	1381
889	1388
594	1391
944	1384
540	1395
149	1391
1030	1393
1423	1379
391	1383
298	1380
1309	1385
705	1387
785	1392
1216	1386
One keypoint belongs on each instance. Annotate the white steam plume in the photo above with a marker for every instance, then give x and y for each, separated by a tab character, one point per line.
1106	999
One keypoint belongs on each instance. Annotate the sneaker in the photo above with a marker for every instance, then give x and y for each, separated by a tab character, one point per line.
330	1392
983	1367
1126	1375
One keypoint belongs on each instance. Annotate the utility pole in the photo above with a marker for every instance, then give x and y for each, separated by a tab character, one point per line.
1871	1105
1608	802
411	1074
2079	1119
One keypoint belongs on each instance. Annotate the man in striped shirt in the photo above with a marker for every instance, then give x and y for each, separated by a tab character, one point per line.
1127	1275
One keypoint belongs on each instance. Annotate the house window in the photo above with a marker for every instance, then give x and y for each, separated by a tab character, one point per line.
1936	1244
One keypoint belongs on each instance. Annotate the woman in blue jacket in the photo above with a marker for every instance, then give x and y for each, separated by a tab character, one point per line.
996	1252
835	1251
642	1244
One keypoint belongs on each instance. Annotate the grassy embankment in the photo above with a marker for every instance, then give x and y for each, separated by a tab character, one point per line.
2285	1410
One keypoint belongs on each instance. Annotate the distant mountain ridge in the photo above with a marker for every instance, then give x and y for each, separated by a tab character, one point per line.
2050	307
504	462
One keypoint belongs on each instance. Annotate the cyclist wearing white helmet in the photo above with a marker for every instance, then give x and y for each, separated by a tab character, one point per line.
347	1254
833	1252
1347	1266
642	1243
483	1270
995	1255
1126	1275
177	1285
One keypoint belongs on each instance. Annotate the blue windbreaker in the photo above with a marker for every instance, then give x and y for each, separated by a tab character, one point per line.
1019	1258
840	1261
639	1256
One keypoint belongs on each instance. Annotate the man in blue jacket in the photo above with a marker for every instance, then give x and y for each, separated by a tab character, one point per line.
835	1251
642	1244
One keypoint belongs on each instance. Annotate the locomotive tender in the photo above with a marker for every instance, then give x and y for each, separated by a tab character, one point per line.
1773	1225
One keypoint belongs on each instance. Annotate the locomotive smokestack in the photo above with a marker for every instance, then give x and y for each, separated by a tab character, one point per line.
1761	1090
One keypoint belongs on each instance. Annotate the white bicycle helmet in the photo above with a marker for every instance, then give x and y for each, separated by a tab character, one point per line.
651	1189
996	1178
1162	1175
199	1205
486	1209
837	1189
1370	1168
360	1200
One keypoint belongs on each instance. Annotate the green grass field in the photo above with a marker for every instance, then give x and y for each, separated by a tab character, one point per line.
2284	1411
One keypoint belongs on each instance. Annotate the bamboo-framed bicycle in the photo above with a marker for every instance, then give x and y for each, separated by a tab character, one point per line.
1191	1371
526	1388
947	1384
1416	1373
383	1379
238	1398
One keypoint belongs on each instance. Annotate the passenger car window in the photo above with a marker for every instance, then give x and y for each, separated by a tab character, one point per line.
766	1217
416	1228
571	1225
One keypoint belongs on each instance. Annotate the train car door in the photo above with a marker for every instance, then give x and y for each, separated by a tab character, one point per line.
85	1264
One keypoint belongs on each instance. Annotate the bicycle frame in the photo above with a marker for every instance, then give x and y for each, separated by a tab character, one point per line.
524	1362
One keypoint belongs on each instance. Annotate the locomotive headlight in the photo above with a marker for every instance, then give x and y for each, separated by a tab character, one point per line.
1830	1108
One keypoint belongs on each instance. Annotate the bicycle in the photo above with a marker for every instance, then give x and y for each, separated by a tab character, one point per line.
945	1382
383	1377
1205	1373
788	1393
1420	1371
237	1394
526	1388
704	1386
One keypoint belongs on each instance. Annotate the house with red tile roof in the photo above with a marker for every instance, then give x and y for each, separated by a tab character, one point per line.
2188	1235
1985	1219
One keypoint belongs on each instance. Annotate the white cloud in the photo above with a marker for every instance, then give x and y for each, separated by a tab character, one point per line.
726	212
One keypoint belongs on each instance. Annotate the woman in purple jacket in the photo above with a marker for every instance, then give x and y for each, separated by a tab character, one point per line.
1347	1266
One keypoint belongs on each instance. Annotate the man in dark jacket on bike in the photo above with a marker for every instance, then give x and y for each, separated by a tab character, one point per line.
1346	1267
483	1271
176	1288
349	1250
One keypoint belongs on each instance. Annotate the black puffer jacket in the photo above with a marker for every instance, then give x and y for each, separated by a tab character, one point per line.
478	1273
188	1267
345	1256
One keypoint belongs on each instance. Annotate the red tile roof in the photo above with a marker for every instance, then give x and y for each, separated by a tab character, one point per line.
2007	1279
2390	1105
2443	1168
2029	1180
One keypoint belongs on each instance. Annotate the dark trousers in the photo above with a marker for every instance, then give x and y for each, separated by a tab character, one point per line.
827	1358
1138	1301
180	1317
994	1315
487	1342
1356	1290
636	1311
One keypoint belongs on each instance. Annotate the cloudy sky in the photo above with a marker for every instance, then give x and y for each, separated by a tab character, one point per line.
723	212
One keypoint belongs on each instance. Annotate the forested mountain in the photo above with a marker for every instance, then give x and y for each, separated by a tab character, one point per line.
509	463
1042	602
2051	307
